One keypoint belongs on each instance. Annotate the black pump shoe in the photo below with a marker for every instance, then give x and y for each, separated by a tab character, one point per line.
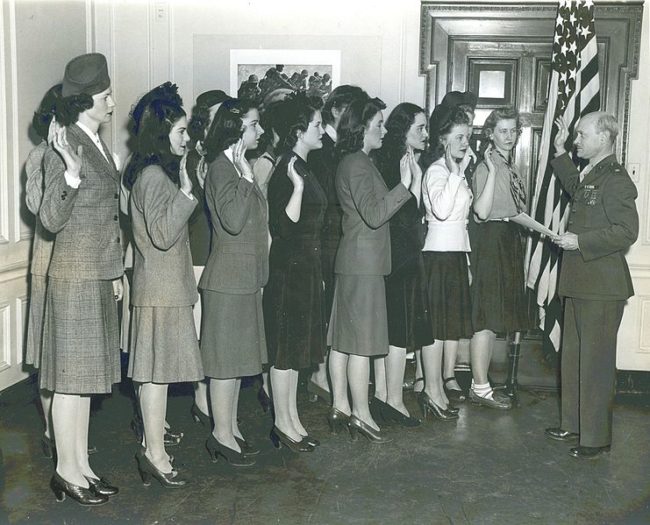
357	426
236	459
391	415
337	420
278	437
199	416
101	486
148	470
246	448
83	496
428	406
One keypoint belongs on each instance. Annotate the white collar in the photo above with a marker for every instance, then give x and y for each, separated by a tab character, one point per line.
229	155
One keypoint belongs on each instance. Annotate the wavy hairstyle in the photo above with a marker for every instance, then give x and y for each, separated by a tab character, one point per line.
339	98
227	126
69	108
354	123
491	123
455	116
46	111
150	122
295	113
397	125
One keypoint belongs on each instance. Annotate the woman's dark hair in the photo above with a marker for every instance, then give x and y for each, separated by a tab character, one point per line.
269	117
397	126
198	124
46	111
354	122
69	108
493	119
441	127
151	121
340	97
226	128
294	114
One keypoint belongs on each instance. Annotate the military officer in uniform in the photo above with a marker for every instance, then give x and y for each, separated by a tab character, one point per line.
594	279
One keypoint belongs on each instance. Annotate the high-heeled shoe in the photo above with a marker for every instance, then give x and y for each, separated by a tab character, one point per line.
246	448
236	459
264	400
428	406
451	408
199	416
148	470
101	486
458	396
337	420
312	441
376	405
278	437
315	392
357	426
83	496
391	415
172	438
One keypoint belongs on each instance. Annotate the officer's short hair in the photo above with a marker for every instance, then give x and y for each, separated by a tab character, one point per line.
608	124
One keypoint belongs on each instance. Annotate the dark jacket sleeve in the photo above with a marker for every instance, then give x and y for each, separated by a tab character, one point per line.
566	171
619	195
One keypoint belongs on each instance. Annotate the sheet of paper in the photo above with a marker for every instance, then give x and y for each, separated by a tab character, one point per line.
528	222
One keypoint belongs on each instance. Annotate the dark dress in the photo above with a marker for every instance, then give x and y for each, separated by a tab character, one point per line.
323	163
293	300
408	317
200	229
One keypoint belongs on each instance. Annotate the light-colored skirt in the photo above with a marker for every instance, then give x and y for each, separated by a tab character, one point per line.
38	289
164	347
359	323
80	350
233	343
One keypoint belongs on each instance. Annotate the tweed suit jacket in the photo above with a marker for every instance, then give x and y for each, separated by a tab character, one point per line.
239	261
367	205
604	217
43	240
85	219
162	262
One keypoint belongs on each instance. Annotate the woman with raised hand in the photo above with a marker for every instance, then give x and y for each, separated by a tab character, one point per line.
44	124
358	327
408	320
80	350
233	343
447	199
164	347
293	298
499	302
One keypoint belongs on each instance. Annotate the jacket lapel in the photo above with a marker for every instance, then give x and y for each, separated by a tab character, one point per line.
91	150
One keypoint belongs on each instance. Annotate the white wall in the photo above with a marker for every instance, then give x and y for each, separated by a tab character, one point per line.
150	41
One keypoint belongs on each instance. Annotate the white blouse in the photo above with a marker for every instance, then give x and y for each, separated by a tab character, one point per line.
447	200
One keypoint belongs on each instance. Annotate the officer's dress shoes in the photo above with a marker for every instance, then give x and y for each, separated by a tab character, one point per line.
558	434
588	452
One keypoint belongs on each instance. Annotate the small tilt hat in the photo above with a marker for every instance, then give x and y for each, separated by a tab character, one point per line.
86	74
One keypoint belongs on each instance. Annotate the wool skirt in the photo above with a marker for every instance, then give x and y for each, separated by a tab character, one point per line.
81	349
233	343
409	325
359	324
38	289
448	295
499	296
164	346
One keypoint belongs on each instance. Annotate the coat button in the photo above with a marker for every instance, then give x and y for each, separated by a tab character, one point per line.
116	196
115	217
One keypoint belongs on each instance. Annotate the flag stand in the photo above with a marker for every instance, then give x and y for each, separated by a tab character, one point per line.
513	358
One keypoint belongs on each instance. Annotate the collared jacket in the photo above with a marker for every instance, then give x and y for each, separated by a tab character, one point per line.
162	263
85	219
239	260
604	217
367	206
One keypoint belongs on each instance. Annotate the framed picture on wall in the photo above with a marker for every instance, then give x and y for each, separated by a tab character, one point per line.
267	74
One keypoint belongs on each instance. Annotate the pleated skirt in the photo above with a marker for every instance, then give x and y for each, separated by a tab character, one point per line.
80	349
36	319
164	345
359	324
233	343
499	297
448	295
409	323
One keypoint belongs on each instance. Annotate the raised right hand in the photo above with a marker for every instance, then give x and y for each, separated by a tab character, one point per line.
295	178
561	136
184	178
406	177
71	158
450	162
487	156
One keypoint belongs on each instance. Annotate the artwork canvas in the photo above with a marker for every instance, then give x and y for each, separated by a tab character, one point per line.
267	74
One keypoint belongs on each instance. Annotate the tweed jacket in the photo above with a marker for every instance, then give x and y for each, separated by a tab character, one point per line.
85	219
367	205
162	263
239	261
43	240
604	217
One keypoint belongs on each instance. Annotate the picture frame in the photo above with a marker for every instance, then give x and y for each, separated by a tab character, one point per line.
259	74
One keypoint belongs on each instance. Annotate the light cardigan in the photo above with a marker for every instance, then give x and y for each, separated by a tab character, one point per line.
447	200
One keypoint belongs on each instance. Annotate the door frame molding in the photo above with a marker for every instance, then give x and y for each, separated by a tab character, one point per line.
441	20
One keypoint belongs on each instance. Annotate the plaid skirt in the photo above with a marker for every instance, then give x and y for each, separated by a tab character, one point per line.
80	350
38	287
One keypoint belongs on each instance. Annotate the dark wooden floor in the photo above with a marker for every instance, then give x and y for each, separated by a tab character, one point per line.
487	468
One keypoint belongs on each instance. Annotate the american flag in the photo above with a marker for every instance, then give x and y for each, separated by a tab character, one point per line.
574	91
